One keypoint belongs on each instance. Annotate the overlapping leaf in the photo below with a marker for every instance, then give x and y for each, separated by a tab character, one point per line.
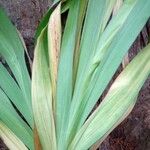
65	69
42	95
13	121
117	104
10	139
12	51
44	81
111	47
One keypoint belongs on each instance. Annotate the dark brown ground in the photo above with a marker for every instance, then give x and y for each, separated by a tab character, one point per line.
134	132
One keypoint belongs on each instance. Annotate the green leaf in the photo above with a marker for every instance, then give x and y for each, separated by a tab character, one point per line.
112	58
65	69
12	50
109	52
13	121
82	10
10	139
14	93
117	104
100	11
97	15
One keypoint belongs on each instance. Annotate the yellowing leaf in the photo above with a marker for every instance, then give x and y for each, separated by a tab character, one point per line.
42	95
10	139
54	42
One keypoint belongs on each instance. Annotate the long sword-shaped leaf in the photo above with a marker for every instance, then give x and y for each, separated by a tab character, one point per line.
124	62
14	93
98	11
103	51
13	121
82	10
10	139
12	50
117	103
65	69
110	56
42	95
116	51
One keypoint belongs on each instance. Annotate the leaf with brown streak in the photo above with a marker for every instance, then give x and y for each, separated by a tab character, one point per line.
54	42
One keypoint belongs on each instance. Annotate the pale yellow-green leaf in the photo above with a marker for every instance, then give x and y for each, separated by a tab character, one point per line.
10	139
117	6
98	143
42	95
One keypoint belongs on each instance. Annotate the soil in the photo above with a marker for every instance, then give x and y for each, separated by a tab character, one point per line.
134	132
